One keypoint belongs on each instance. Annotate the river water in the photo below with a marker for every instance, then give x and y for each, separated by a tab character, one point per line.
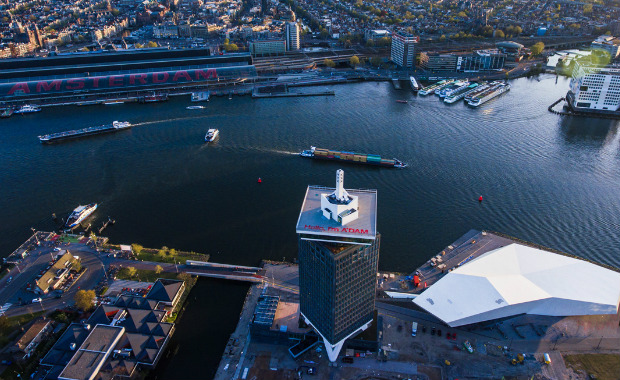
545	178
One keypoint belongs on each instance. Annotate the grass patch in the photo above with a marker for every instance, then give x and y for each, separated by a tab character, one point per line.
603	366
143	275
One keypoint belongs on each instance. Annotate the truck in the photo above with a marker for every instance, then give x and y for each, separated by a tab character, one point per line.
414	328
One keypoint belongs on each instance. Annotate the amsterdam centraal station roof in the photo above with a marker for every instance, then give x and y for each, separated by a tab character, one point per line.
519	279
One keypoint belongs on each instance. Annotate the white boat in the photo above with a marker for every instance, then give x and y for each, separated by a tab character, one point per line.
113	102
201	96
461	93
27	108
308	152
80	213
195	107
211	135
490	94
414	84
435	87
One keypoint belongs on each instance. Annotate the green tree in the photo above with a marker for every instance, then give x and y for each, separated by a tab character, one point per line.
376	61
158	269
587	8
173	252
151	44
442	38
462	14
137	248
84	299
329	63
132	272
76	265
537	48
354	61
499	34
370	43
138	46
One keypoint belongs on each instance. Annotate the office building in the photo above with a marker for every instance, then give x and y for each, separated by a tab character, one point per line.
438	62
594	89
267	47
293	41
481	60
403	52
338	258
608	43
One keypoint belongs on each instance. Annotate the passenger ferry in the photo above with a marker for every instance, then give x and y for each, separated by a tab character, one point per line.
488	95
27	108
107	128
6	112
460	93
356	158
201	96
155	98
79	214
434	87
449	89
414	84
211	135
479	90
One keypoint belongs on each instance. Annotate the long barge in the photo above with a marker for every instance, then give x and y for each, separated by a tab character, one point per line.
358	158
77	133
460	93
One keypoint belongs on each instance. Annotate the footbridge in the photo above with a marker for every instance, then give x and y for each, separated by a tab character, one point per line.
225	271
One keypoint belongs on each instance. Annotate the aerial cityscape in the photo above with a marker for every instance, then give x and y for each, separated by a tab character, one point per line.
301	189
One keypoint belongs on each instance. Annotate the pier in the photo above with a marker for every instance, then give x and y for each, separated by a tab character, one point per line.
293	94
572	112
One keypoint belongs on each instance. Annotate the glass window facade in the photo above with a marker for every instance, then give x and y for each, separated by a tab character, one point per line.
337	285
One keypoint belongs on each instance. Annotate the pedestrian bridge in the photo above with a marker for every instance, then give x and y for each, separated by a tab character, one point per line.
225	271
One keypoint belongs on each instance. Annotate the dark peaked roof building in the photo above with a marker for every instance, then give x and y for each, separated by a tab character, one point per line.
129	333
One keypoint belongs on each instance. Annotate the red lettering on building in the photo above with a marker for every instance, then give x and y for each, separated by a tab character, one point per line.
182	74
317	228
140	77
19	87
164	78
116	80
201	74
75	84
96	82
43	85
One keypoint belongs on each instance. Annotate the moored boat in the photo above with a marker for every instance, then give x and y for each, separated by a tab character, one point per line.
356	158
154	98
6	112
194	107
461	93
435	87
79	214
493	92
201	96
27	108
415	86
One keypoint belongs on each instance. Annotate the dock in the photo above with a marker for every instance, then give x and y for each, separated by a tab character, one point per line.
293	94
466	248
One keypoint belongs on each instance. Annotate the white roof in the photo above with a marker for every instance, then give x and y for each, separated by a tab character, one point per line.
518	279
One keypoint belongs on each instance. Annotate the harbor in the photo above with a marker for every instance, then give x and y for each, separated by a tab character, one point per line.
432	202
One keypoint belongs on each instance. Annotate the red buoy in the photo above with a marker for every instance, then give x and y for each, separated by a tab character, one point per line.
260	180
480	199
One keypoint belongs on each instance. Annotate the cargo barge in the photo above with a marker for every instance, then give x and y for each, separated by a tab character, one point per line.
77	133
357	158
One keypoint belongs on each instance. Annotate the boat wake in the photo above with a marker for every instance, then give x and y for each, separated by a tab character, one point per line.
168	120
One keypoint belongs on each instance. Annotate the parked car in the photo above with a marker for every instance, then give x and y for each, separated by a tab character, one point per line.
37	300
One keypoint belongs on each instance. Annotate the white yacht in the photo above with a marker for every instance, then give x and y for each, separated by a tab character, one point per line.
211	135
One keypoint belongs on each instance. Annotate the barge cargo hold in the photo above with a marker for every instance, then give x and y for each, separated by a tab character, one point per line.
77	133
356	158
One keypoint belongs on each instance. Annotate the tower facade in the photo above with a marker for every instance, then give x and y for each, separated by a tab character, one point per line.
293	38
338	260
403	52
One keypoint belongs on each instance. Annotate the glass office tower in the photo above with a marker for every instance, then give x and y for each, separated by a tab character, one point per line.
338	261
